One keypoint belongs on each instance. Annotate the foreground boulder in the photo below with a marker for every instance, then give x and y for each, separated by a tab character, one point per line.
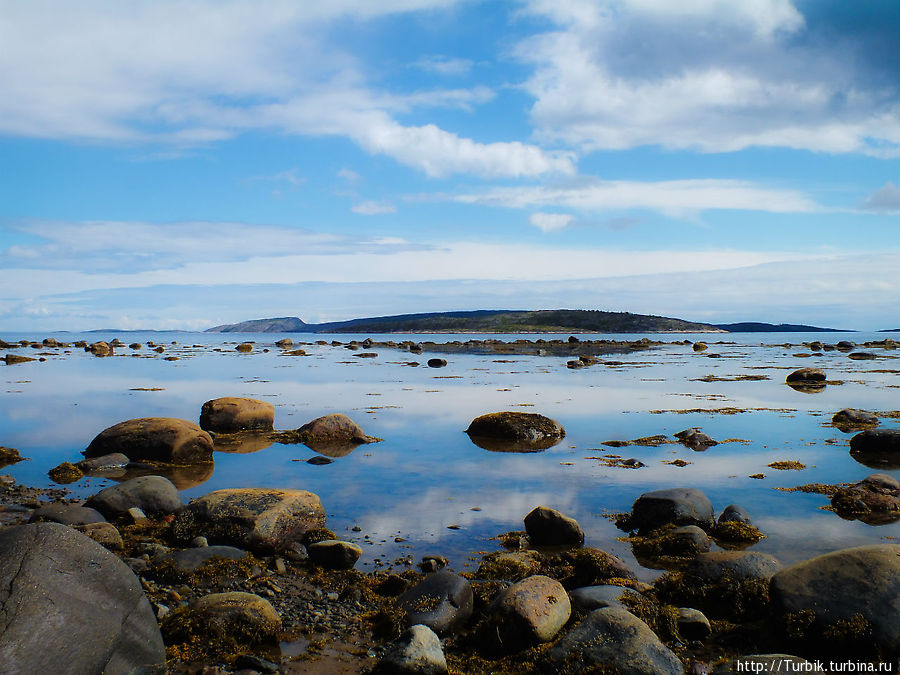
612	640
257	518
877	448
230	414
66	602
675	506
154	495
529	612
416	652
549	527
843	602
515	432
443	601
155	439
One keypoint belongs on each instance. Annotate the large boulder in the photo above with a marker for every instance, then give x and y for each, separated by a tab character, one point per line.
612	640
333	435
69	605
549	527
515	432
156	439
877	448
443	601
258	518
230	414
154	495
675	506
844	602
529	612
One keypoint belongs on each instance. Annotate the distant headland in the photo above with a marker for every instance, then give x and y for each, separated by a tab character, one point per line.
509	321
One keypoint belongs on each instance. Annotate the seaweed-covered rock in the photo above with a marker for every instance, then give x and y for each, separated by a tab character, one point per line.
9	456
509	566
67	602
695	439
234	618
156	439
591	566
874	500
443	601
416	652
529	612
850	419
12	359
229	414
154	495
515	431
191	559
256	518
549	527
686	541
611	640
676	506
110	462
65	473
842	602
589	598
806	375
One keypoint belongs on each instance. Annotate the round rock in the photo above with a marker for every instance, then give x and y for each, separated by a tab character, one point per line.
854	418
230	414
443	601
877	448
802	375
416	652
515	431
154	495
676	506
549	527
529	612
157	439
334	554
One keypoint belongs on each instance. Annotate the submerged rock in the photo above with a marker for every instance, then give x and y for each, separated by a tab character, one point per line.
229	414
69	603
156	439
515	432
256	518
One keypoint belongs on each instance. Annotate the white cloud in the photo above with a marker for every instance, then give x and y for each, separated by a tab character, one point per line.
708	75
372	208
676	198
444	65
884	200
549	222
349	175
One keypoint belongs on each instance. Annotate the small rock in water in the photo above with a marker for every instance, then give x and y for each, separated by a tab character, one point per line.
549	527
319	460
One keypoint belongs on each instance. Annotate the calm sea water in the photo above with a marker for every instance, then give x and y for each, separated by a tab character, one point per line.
427	477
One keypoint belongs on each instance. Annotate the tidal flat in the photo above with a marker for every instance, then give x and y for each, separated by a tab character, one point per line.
426	490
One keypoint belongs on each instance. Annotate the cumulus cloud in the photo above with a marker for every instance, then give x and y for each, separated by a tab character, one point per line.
548	222
884	200
371	208
166	72
677	198
707	75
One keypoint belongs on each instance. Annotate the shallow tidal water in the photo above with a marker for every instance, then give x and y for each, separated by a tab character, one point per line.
427	485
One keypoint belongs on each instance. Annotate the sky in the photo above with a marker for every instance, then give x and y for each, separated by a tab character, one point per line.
178	165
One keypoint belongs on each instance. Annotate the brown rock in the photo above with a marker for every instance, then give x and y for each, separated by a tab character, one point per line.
229	414
158	439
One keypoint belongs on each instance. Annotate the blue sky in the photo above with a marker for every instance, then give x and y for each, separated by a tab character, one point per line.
184	164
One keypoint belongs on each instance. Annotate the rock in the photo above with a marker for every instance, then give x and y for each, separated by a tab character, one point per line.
735	527
549	527
104	534
843	602
515	432
591	566
437	363
875	500
509	566
256	518
862	356
12	359
191	559
319	460
575	364
877	448
334	554
807	375
226	618
443	601
686	541
156	439
284	342
333	435
230	414
676	506
9	456
693	624
853	418
65	473
695	439
734	514
614	640
100	349
416	652
529	612
589	598
66	514
844	346
739	565
154	495
244	347
67	602
112	461
764	663
244	442
135	346
700	347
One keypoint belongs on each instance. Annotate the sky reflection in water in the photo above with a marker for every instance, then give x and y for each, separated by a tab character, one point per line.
427	475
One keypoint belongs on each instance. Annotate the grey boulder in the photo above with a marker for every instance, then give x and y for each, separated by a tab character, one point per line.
154	495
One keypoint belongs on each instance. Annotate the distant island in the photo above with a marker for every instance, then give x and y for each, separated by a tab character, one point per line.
757	327
505	321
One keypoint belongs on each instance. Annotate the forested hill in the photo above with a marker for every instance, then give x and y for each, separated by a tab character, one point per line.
482	321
